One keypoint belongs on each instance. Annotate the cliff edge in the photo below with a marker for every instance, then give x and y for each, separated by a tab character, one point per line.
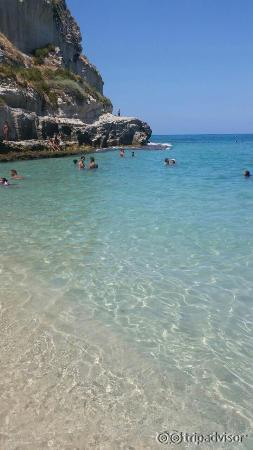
47	84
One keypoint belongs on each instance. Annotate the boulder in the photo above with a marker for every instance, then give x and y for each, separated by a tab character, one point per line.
23	125
112	130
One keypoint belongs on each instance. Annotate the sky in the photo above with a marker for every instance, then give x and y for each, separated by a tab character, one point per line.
184	66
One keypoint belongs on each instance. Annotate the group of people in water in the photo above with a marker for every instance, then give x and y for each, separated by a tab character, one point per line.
93	165
122	153
167	161
14	176
80	163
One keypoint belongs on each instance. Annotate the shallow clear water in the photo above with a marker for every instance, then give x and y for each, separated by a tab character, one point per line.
149	267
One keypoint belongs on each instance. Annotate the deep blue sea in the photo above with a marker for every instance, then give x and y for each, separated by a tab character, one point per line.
127	297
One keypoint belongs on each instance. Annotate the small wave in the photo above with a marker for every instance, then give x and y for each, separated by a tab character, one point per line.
158	145
150	145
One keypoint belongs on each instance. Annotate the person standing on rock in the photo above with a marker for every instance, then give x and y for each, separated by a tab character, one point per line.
6	131
119	113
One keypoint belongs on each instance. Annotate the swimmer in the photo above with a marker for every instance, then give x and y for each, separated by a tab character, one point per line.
75	161
93	164
169	162
133	155
15	176
246	173
4	182
122	153
81	164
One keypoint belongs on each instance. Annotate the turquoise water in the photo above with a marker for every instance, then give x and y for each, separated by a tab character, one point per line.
152	266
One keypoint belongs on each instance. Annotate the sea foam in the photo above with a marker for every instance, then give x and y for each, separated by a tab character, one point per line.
160	145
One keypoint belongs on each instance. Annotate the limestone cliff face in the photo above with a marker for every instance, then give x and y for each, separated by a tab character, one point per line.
33	24
45	80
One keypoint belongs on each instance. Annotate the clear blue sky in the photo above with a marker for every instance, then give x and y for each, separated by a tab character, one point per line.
185	66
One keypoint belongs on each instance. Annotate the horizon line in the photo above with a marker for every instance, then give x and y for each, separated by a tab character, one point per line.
201	134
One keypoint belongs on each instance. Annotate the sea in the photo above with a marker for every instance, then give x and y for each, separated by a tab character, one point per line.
126	299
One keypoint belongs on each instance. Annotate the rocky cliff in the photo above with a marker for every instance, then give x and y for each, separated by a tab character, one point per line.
46	83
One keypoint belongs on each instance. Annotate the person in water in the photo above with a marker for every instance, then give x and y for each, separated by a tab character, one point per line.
93	164
247	173
80	164
4	182
122	153
169	162
75	161
15	176
133	155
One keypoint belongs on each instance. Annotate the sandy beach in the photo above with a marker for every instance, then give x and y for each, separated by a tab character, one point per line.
61	389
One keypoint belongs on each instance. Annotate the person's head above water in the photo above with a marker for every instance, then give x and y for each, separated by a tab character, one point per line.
81	164
246	173
93	164
75	161
4	181
15	176
133	154
169	162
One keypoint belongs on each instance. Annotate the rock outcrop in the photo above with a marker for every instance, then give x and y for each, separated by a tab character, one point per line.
48	86
112	131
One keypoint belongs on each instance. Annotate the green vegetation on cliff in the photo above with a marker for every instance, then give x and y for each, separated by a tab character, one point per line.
51	83
41	53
